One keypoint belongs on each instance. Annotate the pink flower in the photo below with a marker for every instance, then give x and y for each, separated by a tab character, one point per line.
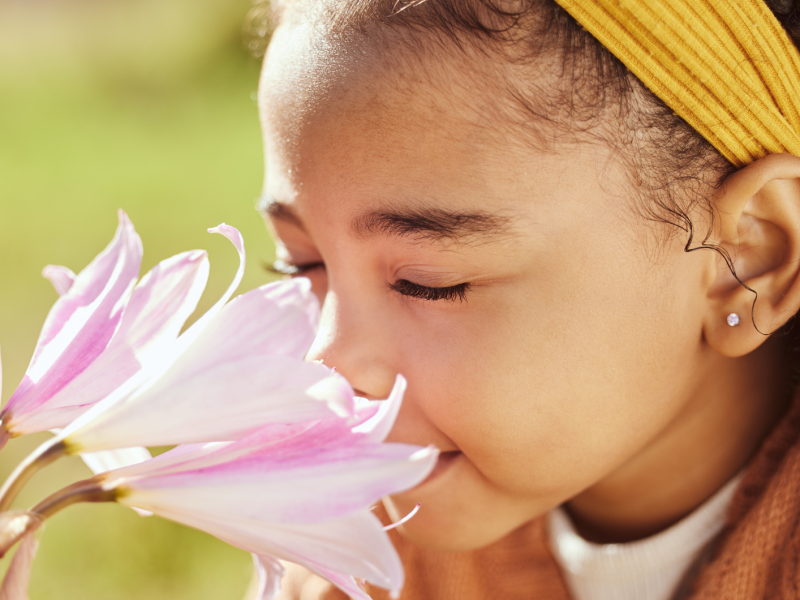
102	330
243	370
298	492
106	342
237	368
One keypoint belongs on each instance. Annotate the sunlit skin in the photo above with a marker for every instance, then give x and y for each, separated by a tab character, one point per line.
589	360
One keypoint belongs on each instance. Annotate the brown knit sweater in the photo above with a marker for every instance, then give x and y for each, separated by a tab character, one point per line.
757	556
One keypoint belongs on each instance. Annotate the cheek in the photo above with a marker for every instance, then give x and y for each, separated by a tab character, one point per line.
550	383
319	283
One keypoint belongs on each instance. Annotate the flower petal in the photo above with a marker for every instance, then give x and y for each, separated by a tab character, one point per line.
286	487
107	460
238	242
17	578
274	319
355	545
172	460
378	427
344	582
223	403
270	572
82	321
158	308
277	318
62	278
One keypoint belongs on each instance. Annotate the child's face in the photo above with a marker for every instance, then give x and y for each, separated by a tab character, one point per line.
562	365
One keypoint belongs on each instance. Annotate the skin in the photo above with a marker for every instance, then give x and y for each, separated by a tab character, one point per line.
587	363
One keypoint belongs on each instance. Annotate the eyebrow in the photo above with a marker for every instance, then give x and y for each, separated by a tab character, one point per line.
427	224
269	207
434	224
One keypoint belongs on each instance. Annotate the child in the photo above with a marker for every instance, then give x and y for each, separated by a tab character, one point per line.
564	265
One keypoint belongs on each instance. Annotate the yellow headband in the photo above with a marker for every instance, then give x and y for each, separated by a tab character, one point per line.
727	67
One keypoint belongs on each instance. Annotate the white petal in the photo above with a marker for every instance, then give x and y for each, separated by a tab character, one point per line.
106	460
158	308
287	488
17	578
344	582
278	318
378	427
270	572
170	461
62	278
82	322
223	403
355	545
238	242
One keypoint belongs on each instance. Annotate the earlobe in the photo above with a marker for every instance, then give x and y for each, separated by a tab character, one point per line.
758	227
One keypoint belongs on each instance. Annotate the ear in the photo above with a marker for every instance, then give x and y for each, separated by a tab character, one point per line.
758	210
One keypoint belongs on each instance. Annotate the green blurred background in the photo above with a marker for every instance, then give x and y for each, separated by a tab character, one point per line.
145	105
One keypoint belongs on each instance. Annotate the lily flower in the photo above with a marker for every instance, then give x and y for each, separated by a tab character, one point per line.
100	333
298	492
78	328
244	369
238	367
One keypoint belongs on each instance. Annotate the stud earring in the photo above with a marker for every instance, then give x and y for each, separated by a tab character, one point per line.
733	319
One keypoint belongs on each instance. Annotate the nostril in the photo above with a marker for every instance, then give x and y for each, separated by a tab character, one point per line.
364	394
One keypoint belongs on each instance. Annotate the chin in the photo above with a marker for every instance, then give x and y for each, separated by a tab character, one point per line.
460	510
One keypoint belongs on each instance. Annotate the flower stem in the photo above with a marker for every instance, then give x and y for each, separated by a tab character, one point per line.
13	527
5	434
88	490
15	524
39	458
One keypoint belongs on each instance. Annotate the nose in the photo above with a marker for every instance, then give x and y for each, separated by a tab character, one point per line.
354	338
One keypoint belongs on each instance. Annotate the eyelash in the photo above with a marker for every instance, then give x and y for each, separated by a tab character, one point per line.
402	286
448	294
282	267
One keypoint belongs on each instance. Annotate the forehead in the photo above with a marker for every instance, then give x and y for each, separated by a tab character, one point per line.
348	106
313	76
349	126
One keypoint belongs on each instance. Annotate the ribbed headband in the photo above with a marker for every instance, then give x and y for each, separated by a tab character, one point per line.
727	67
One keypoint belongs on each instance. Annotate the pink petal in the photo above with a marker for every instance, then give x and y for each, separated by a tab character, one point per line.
160	305
158	308
379	426
106	460
270	572
287	488
222	403
355	545
238	242
17	578
82	321
344	582
197	456
62	278
277	318
337	393
172	460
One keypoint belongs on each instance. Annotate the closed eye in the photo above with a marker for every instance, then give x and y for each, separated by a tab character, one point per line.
282	267
423	292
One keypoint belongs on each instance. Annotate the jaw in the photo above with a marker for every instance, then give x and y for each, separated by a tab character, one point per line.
460	510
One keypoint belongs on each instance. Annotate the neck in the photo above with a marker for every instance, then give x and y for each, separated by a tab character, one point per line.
726	417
